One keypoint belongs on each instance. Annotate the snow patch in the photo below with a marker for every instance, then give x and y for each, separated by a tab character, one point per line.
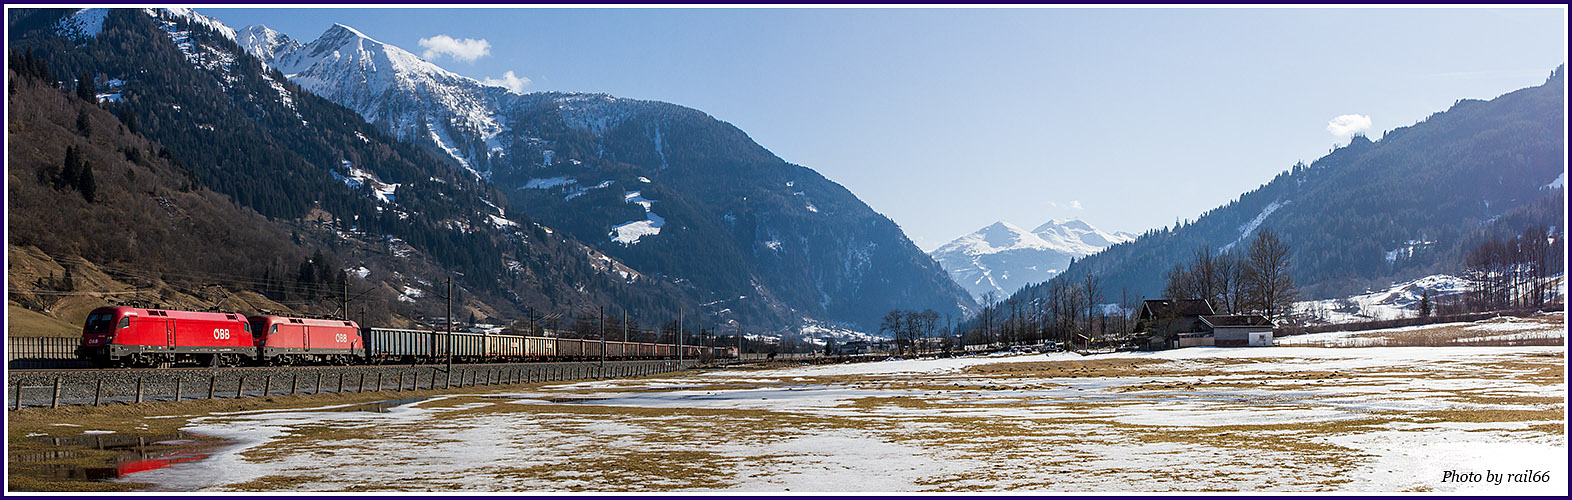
1249	227
82	24
580	192
382	191
629	233
1401	300
547	183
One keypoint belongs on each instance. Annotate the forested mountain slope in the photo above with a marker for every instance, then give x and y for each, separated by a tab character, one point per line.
1375	212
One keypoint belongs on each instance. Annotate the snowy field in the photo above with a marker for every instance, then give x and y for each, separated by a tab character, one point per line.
1198	419
1501	330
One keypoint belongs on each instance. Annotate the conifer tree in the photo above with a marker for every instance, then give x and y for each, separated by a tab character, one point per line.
84	87
85	183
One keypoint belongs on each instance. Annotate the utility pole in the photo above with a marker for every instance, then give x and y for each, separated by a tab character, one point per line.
624	326
450	328
602	329
679	337
343	296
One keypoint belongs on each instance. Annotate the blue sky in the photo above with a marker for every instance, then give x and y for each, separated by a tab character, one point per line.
946	120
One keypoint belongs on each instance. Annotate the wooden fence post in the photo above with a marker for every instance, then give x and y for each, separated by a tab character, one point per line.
177	388
294	383
317	389
139	390
98	391
212	385
240	387
54	402
267	385
400	382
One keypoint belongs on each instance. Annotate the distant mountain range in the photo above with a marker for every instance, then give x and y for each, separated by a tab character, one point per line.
1002	257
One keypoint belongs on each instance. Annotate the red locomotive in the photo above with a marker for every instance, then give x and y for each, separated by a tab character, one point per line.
287	341
157	337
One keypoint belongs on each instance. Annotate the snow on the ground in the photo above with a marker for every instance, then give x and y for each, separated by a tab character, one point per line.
1546	326
1262	419
548	183
629	233
1401	300
382	191
815	329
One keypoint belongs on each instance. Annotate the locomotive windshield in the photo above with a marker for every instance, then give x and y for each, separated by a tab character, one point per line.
255	323
99	323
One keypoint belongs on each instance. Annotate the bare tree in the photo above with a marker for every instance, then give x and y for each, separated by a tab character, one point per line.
1093	290
894	323
1228	270
1268	283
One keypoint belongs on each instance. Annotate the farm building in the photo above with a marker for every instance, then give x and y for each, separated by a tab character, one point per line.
1239	330
1166	324
1163	321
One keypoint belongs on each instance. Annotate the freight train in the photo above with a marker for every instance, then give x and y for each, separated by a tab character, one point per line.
133	336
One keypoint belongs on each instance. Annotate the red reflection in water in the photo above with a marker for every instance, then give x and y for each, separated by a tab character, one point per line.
147	464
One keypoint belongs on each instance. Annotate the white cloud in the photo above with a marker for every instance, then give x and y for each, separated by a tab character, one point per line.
1348	125
510	81
1076	204
460	49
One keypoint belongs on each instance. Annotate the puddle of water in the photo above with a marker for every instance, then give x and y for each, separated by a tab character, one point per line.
132	454
376	406
574	399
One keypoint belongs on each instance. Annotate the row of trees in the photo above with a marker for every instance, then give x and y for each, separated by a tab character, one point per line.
1065	309
1257	281
1515	273
1079	310
911	328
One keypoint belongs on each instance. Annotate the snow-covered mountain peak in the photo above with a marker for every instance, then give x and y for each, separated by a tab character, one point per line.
1003	257
997	237
416	100
342	45
1076	236
1071	223
265	43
